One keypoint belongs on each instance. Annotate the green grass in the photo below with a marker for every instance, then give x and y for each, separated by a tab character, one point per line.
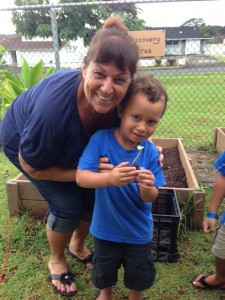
195	108
25	274
220	58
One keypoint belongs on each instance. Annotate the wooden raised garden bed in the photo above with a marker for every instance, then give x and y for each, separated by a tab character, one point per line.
192	187
21	193
219	139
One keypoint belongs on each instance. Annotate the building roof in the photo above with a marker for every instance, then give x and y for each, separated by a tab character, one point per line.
180	33
14	42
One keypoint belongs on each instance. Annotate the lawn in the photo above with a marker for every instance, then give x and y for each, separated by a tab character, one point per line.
195	108
24	256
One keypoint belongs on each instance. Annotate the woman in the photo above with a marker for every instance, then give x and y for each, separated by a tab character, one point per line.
46	129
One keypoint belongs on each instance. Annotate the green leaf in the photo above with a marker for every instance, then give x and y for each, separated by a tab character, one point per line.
35	73
48	72
13	77
25	71
18	89
139	147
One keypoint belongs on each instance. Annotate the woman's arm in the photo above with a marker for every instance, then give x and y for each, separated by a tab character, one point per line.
52	173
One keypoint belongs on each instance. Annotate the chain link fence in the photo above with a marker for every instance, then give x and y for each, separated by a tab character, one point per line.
192	67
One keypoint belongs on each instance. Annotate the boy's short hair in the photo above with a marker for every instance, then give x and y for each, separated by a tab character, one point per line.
148	85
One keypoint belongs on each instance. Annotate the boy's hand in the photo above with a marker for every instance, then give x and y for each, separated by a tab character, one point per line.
209	225
145	180
123	174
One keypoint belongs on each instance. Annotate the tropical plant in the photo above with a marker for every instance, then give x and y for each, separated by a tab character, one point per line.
12	85
186	209
2	51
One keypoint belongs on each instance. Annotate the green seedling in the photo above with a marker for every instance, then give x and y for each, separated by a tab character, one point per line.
140	148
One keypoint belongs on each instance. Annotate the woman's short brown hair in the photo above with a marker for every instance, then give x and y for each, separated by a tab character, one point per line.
113	43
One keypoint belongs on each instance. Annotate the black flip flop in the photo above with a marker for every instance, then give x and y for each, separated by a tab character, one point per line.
65	279
85	261
205	285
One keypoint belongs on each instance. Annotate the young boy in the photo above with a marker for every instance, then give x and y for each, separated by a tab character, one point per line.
216	280
122	223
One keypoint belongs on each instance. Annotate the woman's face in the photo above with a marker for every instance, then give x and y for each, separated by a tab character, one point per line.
104	85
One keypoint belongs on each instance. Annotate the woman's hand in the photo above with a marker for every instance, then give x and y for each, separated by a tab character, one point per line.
161	156
104	165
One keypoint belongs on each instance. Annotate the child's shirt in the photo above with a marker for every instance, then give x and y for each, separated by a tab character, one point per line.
120	215
219	164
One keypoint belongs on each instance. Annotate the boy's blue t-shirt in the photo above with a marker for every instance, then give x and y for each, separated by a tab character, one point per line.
43	123
219	164
120	215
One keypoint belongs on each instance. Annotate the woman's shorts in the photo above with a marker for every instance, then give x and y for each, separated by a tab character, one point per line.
137	261
67	202
218	248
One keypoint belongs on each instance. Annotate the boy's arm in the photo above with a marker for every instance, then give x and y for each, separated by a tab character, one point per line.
119	176
88	179
218	194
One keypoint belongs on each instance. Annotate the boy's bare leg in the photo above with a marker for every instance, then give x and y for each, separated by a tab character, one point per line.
215	279
105	294
135	295
220	270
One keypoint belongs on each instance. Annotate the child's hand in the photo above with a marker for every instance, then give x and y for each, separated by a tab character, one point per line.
145	180
123	174
209	225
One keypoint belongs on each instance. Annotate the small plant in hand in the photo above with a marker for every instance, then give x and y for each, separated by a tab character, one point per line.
140	148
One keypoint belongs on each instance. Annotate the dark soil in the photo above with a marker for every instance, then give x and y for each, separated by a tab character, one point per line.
201	162
173	169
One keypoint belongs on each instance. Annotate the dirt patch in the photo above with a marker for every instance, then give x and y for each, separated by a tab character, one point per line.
173	169
201	162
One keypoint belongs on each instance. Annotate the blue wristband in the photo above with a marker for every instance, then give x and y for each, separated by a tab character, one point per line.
212	216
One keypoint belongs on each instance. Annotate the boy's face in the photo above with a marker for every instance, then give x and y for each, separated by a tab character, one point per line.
139	119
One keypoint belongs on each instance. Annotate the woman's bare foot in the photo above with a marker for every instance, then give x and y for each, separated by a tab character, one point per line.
58	269
84	256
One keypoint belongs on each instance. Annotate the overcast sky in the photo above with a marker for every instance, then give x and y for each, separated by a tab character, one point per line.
165	14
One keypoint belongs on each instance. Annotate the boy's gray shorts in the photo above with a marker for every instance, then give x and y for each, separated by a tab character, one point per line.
218	248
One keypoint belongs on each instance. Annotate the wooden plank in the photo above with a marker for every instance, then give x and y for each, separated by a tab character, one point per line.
39	209
28	191
190	176
215	136
166	143
199	210
219	139
13	197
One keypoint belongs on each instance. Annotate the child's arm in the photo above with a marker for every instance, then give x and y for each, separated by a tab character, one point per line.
119	176
148	192
218	194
